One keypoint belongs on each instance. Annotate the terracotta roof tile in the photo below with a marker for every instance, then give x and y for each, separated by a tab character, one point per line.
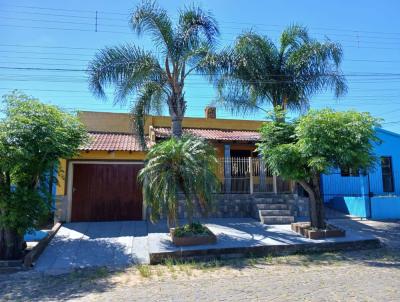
112	142
214	134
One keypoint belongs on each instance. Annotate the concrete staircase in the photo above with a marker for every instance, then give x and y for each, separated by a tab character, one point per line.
273	209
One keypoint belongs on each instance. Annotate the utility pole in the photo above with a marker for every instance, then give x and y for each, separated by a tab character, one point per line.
95	26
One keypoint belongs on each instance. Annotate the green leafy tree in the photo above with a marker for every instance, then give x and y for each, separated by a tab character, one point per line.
33	137
255	72
315	144
156	79
186	165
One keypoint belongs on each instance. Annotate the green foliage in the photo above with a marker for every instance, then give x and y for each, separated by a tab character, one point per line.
195	228
317	142
314	144
186	165
255	72
154	80
33	136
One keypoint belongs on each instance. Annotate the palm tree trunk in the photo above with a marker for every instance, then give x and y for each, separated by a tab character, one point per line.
177	108
176	126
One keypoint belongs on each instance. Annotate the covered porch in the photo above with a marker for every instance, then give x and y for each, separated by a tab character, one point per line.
242	170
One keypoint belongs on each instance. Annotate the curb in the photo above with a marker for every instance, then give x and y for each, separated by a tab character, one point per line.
39	248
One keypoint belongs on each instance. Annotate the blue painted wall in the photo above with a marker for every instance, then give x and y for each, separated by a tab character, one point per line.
350	194
385	208
353	205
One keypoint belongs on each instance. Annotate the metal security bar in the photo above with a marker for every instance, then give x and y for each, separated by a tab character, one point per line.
249	175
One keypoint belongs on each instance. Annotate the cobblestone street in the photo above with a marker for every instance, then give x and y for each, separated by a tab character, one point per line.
369	275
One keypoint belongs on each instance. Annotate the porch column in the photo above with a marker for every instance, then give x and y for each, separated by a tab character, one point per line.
262	175
227	168
251	175
275	183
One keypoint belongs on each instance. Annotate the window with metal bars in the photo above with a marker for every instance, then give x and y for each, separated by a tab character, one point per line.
387	174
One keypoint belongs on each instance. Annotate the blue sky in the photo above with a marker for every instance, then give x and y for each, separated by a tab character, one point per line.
61	34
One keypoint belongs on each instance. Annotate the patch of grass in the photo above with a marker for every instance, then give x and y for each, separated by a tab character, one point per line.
87	275
252	260
144	270
268	259
208	265
99	273
170	263
159	272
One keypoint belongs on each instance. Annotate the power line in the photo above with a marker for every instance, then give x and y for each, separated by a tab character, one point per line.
335	29
126	26
129	33
351	74
98	49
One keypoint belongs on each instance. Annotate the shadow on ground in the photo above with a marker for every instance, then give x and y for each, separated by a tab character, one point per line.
34	286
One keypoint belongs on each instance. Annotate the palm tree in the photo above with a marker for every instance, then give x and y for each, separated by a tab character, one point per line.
186	165
156	79
255	71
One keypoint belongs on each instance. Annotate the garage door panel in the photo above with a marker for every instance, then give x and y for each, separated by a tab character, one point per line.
103	192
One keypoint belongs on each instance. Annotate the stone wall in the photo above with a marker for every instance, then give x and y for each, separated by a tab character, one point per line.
224	206
243	205
299	206
60	214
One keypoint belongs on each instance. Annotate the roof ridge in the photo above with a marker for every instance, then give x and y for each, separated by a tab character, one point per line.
191	128
109	132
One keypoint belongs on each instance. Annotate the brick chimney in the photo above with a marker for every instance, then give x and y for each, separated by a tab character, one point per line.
210	112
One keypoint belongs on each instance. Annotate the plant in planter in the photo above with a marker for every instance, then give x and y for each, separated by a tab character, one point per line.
315	144
180	166
192	234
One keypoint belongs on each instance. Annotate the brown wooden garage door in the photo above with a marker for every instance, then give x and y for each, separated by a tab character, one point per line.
105	192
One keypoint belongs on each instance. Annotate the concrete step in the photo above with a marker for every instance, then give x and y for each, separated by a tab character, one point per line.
269	200
277	219
273	206
272	195
275	212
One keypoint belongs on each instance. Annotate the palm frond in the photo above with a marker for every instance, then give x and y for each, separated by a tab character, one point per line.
149	17
150	98
195	24
237	97
288	75
293	36
179	166
316	66
126	67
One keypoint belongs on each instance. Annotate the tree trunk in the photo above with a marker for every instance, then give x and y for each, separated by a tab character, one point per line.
317	215
176	127
177	108
11	244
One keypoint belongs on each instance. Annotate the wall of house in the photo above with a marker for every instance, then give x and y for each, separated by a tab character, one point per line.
123	122
390	147
387	207
354	205
350	194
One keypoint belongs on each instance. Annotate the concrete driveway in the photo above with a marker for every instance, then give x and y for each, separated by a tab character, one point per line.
88	244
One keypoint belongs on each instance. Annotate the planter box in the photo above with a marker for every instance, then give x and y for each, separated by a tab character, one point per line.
300	227
194	239
330	231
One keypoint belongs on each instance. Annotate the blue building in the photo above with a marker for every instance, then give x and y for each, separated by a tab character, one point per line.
375	194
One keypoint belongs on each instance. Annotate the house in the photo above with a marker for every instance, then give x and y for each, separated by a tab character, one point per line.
101	182
375	194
